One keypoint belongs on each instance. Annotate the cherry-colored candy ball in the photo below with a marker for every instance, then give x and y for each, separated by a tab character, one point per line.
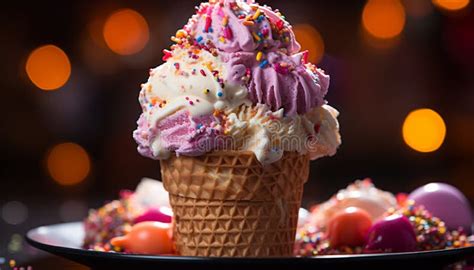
149	238
349	227
392	234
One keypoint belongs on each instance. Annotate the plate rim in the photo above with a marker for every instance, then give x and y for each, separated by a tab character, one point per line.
170	258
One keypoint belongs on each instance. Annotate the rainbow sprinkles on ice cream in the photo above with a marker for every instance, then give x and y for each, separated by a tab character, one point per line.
235	79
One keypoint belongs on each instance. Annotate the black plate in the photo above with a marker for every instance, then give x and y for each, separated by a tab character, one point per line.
65	240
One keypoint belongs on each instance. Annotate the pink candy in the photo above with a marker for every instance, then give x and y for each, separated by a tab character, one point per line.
163	214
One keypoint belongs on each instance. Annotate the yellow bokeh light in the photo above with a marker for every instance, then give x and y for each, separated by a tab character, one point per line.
126	32
48	67
451	5
310	40
383	19
68	163
424	130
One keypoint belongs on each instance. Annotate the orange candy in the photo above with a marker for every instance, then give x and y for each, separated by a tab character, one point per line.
349	227
149	238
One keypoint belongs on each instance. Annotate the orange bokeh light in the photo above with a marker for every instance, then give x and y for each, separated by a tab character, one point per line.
451	5
310	40
126	32
68	164
383	19
424	130
48	67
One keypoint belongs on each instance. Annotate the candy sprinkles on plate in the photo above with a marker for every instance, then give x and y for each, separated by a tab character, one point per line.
403	226
431	232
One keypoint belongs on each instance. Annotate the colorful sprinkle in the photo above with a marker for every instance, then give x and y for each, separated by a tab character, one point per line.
228	33
207	26
220	94
256	37
263	64
177	66
280	24
248	23
207	91
203	73
191	102
259	56
181	34
257	14
199	39
305	57
167	55
176	40
225	21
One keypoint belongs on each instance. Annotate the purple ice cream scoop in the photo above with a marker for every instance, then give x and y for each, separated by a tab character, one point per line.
445	202
392	234
262	53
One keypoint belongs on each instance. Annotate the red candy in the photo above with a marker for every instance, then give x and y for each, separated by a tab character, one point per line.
349	227
149	238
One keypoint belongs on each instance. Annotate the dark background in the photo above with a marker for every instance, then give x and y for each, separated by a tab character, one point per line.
429	65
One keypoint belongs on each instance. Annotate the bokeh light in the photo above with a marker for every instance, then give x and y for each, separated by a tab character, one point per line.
48	67
451	5
126	32
310	40
68	163
14	213
383	19
424	130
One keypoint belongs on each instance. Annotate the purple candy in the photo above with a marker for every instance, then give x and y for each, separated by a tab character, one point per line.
392	234
445	202
163	215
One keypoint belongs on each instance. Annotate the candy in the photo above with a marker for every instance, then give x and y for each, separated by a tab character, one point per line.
431	232
392	234
445	202
349	227
163	214
149	238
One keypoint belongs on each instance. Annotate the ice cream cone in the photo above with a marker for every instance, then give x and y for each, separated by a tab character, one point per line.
227	204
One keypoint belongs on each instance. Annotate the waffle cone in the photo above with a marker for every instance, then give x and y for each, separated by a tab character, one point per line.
227	204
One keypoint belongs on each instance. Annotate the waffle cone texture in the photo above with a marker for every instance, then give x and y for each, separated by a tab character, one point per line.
226	204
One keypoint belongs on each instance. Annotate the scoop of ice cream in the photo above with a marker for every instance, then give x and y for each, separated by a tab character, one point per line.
181	103
269	134
235	79
361	194
235	25
262	52
287	82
